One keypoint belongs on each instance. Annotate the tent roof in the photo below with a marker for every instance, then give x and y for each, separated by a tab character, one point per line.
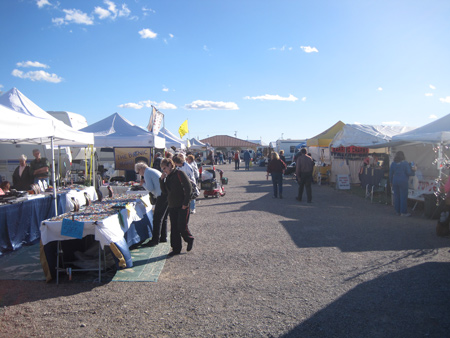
171	139
363	135
435	132
196	144
116	131
62	134
324	139
18	128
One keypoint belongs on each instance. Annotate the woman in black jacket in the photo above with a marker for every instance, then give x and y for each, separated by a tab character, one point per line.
276	168
178	188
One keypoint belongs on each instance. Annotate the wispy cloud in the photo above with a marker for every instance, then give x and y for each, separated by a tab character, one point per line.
284	48
428	94
380	89
27	64
445	100
205	48
165	89
390	123
269	97
112	11
211	105
148	104
147	34
42	3
432	87
146	10
432	116
309	49
74	16
38	75
304	99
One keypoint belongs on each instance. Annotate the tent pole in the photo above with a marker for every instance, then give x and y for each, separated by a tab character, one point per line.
55	198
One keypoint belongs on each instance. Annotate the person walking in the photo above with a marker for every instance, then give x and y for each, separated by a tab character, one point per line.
178	188
230	156
236	160
276	168
304	170
247	159
399	173
151	183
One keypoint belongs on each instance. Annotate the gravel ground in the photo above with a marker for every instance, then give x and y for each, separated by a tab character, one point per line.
263	267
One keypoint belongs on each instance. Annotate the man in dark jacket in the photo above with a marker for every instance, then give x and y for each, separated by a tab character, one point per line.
304	171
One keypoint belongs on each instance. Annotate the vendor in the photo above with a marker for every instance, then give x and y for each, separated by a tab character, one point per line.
5	186
40	168
22	176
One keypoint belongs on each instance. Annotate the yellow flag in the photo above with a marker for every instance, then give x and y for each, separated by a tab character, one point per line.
183	130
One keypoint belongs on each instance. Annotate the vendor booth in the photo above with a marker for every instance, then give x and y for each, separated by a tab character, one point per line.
357	143
117	223
319	145
129	142
21	128
427	147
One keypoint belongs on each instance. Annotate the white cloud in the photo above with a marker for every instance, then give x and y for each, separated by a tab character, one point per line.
74	16
42	3
102	13
445	100
36	64
165	89
171	36
211	105
38	75
428	94
304	99
432	116
131	105
308	49
390	123
432	87
205	48
148	104
269	97
165	105
147	34
380	89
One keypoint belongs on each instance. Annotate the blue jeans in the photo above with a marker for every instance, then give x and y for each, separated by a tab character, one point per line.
400	197
247	165
277	181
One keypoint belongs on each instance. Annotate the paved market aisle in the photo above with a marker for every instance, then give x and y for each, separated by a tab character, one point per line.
263	267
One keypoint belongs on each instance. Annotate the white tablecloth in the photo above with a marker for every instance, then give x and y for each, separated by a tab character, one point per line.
106	231
79	196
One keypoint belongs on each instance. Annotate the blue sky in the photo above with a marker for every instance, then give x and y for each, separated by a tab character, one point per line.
257	69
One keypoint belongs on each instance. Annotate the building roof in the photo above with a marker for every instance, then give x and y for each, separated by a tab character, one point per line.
228	141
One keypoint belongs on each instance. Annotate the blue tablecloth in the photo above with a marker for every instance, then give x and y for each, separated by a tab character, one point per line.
20	222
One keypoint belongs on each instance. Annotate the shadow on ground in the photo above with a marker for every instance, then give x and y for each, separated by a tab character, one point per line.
412	303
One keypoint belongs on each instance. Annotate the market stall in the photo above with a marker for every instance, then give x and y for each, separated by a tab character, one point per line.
117	223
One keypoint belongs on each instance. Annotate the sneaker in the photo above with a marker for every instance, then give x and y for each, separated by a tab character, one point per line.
173	253
406	215
298	199
190	244
193	211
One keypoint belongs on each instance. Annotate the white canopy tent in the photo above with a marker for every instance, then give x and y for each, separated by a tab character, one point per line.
116	131
171	140
21	128
196	144
427	147
360	135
